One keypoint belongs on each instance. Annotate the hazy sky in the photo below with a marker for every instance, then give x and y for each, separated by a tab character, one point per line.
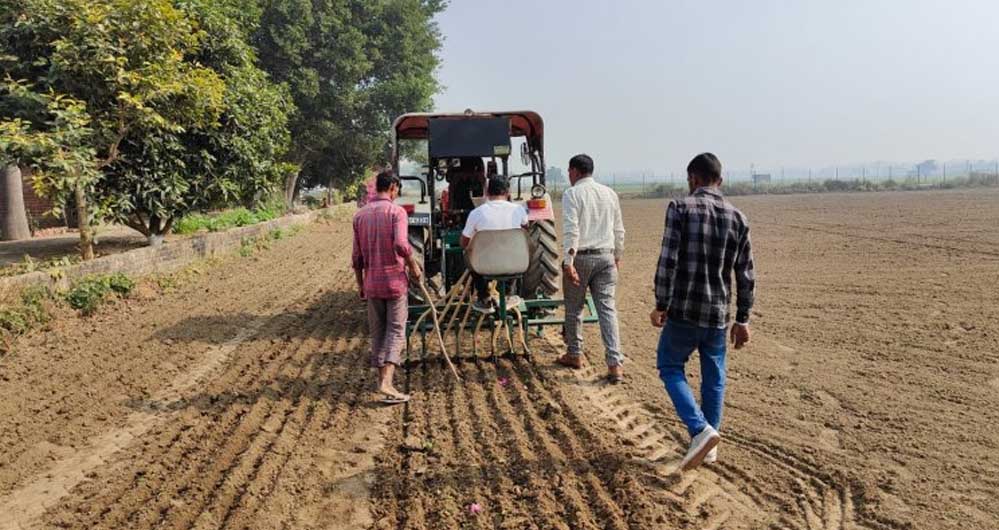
645	85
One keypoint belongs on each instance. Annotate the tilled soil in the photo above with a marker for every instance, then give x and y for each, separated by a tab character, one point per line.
241	398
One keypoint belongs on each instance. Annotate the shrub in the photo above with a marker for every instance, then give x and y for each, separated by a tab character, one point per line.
19	319
236	217
88	294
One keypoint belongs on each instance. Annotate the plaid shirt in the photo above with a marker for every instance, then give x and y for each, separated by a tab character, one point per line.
706	239
381	245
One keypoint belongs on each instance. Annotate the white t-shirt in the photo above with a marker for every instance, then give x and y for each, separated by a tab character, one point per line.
495	215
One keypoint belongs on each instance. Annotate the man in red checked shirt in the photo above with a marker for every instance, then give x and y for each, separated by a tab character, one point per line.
381	258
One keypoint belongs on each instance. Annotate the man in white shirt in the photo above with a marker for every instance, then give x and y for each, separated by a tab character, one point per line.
593	232
497	213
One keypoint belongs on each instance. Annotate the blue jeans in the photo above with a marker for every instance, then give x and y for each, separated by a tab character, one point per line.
677	341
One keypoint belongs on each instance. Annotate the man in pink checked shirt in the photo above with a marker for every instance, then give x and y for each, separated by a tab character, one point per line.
381	258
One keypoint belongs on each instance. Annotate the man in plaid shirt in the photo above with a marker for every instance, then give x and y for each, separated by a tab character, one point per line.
706	240
380	259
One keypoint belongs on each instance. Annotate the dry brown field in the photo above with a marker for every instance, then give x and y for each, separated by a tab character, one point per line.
237	396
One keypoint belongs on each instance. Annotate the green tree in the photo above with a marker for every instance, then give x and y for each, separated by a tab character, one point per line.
181	117
236	160
56	142
352	66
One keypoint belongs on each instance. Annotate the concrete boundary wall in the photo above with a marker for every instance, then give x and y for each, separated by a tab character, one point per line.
168	257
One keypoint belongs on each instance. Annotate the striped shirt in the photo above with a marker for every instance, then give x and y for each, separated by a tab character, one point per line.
706	239
381	246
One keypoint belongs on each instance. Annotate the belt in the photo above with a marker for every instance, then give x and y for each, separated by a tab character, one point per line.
593	251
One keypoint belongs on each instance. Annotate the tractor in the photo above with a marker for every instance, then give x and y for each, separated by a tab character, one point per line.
463	150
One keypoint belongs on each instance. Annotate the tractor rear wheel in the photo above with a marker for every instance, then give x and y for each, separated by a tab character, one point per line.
542	276
418	236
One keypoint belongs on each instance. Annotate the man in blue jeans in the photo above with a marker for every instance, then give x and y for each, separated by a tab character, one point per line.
705	242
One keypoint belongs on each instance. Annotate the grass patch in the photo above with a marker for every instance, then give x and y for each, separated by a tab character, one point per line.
221	221
251	245
88	294
21	317
29	264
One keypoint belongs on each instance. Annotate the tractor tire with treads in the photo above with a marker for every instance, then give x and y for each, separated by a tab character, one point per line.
418	242
542	277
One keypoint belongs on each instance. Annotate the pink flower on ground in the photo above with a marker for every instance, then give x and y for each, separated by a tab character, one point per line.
474	508
503	381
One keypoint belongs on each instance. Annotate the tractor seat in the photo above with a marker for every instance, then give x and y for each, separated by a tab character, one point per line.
499	254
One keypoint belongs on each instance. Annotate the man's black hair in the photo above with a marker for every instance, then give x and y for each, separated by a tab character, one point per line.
582	163
385	180
705	167
498	186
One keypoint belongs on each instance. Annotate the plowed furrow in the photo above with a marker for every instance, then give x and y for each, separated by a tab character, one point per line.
468	463
568	487
496	459
242	453
214	457
579	440
183	480
530	472
131	329
307	419
173	447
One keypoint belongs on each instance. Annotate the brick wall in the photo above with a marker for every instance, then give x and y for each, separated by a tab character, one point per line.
37	207
168	257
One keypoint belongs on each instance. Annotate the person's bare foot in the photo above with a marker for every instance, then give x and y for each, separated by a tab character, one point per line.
389	393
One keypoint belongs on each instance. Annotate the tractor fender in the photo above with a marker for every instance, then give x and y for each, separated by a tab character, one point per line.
541	214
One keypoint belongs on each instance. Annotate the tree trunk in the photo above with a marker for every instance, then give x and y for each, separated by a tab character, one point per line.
290	190
13	218
83	220
158	229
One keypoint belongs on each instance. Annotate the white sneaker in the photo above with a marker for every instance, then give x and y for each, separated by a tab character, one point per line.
700	446
711	457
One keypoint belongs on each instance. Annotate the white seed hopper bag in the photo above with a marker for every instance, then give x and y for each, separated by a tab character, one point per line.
499	252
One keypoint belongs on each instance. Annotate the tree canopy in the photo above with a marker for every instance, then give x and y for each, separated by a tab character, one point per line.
352	66
181	105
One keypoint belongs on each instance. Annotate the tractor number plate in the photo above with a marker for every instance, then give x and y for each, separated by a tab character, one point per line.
419	219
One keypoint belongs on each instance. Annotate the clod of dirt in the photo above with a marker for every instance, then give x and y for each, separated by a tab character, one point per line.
550	410
413	444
